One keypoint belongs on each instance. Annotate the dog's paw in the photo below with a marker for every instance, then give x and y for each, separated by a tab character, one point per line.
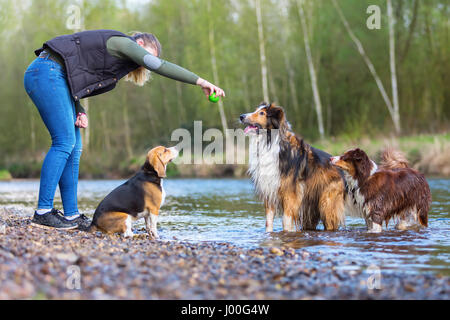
376	228
129	234
153	234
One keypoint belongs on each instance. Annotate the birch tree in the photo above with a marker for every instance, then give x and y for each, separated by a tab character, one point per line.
391	19
392	111
212	48
312	71
262	52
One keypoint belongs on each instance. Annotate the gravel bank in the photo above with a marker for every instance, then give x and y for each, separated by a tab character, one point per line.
43	264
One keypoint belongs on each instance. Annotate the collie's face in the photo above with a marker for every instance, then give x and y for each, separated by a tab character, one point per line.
264	117
355	162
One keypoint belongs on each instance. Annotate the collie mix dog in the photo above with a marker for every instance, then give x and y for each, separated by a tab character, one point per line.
391	191
291	176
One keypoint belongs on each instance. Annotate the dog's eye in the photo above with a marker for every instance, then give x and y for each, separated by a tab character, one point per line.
261	113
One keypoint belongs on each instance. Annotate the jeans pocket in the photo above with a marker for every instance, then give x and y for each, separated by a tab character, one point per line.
56	76
29	80
32	70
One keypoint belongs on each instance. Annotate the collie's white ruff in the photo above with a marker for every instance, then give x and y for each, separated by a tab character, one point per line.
264	166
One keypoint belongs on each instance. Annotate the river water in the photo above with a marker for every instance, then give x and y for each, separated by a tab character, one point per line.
226	210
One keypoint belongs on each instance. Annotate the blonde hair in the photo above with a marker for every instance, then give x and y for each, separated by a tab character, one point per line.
141	75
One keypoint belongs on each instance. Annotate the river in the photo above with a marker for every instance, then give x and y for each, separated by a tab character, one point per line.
226	210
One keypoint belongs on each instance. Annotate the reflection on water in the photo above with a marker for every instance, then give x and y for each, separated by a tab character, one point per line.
226	210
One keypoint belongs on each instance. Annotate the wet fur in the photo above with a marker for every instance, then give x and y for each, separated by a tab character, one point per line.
393	191
291	176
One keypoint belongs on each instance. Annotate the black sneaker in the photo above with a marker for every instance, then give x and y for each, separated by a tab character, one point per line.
83	222
52	220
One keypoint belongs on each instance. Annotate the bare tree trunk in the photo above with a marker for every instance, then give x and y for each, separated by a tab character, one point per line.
312	72
362	52
105	131
428	31
181	110
411	32
126	126
166	107
392	66
212	48
262	51
272	87
287	64
292	86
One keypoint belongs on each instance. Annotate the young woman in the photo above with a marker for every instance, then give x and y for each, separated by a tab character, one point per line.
76	66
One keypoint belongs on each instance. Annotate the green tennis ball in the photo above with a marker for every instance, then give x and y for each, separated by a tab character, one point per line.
213	98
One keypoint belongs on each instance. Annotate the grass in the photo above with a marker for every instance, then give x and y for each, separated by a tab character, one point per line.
5	175
428	153
408	144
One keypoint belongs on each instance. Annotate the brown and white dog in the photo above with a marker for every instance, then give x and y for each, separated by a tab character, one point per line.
291	176
391	191
140	197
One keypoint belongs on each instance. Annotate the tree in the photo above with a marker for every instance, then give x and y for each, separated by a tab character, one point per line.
212	47
393	68
392	110
262	51
312	71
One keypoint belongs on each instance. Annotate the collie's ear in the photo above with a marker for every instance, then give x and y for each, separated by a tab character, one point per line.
276	115
158	165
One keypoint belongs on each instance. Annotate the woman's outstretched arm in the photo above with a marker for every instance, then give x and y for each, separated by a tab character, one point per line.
126	48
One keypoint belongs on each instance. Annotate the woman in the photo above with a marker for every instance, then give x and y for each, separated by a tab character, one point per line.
76	66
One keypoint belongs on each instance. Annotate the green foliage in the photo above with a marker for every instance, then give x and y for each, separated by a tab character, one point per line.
25	169
172	170
352	104
5	175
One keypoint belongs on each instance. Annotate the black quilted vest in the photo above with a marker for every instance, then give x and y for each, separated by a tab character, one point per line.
91	70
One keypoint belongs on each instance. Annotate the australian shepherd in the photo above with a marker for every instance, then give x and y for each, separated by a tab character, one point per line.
291	176
391	191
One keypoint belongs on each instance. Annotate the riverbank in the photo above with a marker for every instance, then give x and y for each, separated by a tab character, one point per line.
43	264
430	154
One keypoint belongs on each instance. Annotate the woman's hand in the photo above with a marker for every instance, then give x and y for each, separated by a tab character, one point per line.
208	88
82	120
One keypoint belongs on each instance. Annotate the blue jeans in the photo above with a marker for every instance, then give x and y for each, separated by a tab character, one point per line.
46	84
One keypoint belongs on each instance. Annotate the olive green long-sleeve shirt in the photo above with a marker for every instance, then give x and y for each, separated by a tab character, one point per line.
125	48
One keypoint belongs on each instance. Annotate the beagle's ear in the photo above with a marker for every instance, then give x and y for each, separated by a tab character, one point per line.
158	165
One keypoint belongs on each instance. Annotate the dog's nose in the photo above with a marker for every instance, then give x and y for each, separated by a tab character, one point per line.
242	117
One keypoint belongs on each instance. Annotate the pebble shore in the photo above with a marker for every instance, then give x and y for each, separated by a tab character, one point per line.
37	263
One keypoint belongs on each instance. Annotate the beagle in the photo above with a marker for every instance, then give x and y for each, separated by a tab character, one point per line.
140	197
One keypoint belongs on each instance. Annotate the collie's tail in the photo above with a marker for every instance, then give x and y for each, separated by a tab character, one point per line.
393	159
